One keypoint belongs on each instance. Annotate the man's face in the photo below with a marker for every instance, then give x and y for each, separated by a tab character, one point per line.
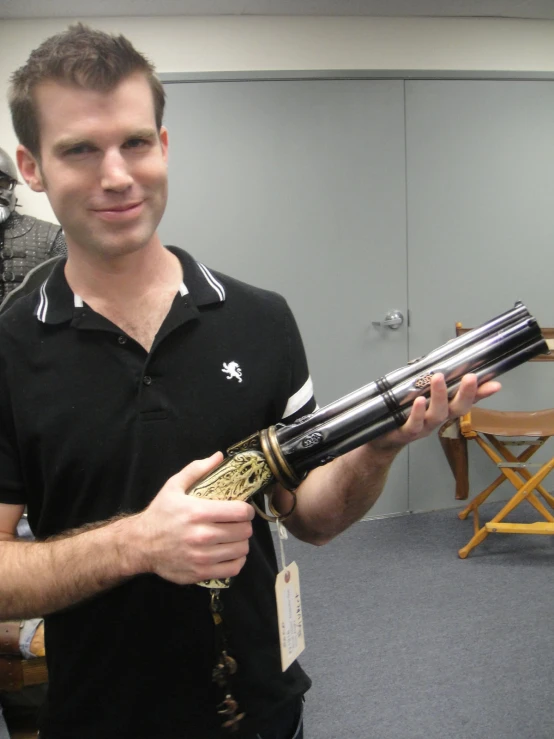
102	165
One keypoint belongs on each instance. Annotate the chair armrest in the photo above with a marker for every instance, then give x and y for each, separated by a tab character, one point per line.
37	642
466	428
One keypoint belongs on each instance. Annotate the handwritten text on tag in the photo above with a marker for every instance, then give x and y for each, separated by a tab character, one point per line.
289	612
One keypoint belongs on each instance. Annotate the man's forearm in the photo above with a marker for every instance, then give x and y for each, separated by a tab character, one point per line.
337	495
37	578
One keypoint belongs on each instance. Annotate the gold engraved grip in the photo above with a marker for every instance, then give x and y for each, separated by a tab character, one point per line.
249	467
236	478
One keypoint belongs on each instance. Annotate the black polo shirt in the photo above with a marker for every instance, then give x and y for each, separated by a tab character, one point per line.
91	425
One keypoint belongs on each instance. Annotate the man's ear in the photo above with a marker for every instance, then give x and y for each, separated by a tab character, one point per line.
164	140
29	168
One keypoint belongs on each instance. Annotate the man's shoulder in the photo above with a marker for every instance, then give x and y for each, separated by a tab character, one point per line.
231	291
248	291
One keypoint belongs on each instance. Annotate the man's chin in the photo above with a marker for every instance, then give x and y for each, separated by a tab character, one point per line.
118	251
110	248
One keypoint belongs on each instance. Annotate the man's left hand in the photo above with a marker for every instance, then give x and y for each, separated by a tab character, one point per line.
424	420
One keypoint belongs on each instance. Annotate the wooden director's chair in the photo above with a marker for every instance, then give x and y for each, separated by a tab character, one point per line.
495	432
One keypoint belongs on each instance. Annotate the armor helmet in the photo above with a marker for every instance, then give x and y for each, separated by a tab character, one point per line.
8	181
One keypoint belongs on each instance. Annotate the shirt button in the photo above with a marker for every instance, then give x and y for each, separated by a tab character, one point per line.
147	380
122	339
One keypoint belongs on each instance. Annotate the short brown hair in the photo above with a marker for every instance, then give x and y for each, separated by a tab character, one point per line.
82	56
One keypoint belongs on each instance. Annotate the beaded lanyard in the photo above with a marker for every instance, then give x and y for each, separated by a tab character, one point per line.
225	666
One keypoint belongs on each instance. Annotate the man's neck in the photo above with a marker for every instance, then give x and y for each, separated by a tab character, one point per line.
125	279
134	292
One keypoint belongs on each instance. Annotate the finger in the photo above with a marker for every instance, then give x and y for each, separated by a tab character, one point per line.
469	394
221	553
190	474
487	389
222	570
426	416
465	396
416	420
221	511
437	410
227	533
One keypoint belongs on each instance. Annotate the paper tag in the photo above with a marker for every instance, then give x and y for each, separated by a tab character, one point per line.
289	613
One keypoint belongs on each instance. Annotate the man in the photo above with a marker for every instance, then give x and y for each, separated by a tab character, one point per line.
120	389
25	242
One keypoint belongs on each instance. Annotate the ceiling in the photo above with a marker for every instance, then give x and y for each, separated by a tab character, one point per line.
530	9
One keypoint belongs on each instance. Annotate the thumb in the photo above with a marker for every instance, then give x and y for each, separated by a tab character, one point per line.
190	474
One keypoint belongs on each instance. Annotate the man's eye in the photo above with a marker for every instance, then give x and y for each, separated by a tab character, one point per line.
80	149
136	143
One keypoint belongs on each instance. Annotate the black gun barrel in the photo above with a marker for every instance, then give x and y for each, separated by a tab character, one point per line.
414	368
388	423
393	402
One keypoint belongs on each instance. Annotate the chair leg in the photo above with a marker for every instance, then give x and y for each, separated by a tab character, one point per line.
481	498
536	503
523	457
482	534
504	455
549	498
523	493
473	542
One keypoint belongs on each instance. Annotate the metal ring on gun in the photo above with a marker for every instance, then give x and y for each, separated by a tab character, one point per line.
281	471
276	515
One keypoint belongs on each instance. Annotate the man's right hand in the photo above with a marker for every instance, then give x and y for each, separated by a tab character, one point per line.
180	538
185	539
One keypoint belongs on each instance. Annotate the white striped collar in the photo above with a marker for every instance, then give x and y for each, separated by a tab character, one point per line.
214	284
202	284
42	308
57	302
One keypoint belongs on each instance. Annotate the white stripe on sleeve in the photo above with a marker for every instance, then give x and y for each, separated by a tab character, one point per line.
300	398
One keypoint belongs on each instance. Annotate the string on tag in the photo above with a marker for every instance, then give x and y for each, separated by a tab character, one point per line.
282	535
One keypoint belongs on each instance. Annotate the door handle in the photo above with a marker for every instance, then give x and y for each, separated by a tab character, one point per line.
393	320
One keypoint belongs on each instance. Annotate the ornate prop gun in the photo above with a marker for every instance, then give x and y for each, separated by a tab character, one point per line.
286	453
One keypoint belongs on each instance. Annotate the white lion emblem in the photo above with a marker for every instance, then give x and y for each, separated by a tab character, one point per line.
232	369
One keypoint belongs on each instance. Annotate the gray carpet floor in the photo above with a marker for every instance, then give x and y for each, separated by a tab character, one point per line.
407	641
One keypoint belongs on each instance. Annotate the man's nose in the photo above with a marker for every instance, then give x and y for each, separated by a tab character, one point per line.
115	174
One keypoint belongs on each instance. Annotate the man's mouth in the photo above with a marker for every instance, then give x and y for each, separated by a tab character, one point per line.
119	208
120	211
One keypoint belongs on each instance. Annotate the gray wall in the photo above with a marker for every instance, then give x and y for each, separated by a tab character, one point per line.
480	167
